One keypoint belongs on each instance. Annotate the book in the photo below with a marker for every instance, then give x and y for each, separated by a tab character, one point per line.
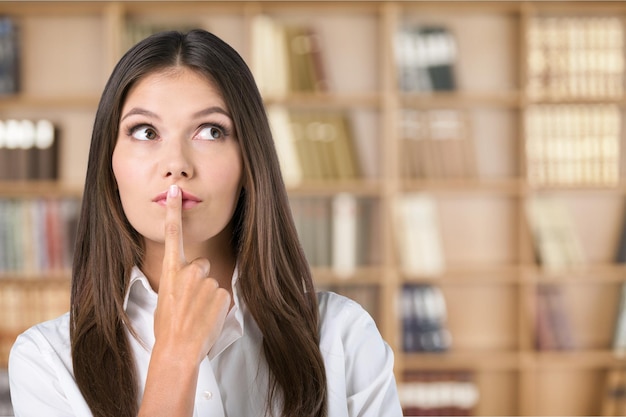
28	150
9	56
344	238
426	57
37	235
285	146
46	151
338	233
614	398
554	234
342	151
269	59
6	409
306	71
13	154
5	170
449	132
424	317
553	326
619	332
573	144
315	145
288	57
575	57
418	237
24	133
436	144
438	393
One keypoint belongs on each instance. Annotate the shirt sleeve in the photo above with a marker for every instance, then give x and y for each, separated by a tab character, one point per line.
35	385
368	362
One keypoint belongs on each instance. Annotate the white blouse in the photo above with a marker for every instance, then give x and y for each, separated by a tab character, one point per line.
232	381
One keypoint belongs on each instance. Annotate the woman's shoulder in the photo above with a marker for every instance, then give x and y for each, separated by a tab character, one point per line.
51	335
332	303
341	315
359	363
41	373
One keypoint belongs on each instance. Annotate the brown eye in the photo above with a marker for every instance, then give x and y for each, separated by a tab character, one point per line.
211	133
144	133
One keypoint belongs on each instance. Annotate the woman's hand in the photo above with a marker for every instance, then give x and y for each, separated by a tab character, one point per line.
189	317
191	307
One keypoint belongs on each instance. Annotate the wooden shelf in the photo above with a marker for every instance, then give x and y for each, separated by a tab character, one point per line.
478	360
327	100
361	276
35	279
499	186
361	188
463	99
32	189
490	270
25	102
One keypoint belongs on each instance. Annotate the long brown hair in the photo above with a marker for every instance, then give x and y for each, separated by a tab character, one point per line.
274	277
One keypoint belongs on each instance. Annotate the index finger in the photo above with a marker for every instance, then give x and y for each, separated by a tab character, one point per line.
174	256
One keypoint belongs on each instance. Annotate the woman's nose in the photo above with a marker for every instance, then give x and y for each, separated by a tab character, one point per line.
175	160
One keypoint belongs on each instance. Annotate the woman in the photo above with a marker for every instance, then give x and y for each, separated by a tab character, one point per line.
183	197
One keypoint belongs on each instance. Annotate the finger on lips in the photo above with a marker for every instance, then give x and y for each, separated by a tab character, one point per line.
174	254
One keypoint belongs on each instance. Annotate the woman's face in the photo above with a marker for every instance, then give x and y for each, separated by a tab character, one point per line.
175	129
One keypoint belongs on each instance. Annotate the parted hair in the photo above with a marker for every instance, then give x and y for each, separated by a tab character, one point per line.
274	277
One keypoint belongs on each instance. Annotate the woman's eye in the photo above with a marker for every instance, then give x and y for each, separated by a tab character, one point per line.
211	133
144	133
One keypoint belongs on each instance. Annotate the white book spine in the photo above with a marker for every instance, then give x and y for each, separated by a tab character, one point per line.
344	233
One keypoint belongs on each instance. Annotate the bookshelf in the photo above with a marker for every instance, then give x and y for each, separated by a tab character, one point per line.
490	275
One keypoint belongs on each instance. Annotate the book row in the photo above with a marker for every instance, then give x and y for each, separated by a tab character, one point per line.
438	393
417	233
553	324
23	305
573	144
564	144
424	314
556	241
28	150
342	232
314	145
557	245
425	57
436	144
573	57
339	232
287	57
37	235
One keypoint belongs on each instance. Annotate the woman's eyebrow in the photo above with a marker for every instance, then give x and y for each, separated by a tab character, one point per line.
211	110
140	111
148	113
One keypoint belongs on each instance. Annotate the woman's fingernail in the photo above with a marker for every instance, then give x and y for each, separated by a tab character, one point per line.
173	192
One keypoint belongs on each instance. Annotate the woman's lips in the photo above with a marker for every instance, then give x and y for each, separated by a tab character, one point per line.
189	200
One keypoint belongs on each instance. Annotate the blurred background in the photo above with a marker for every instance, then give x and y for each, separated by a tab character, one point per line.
455	167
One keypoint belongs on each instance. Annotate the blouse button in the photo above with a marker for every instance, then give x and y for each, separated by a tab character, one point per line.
207	395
